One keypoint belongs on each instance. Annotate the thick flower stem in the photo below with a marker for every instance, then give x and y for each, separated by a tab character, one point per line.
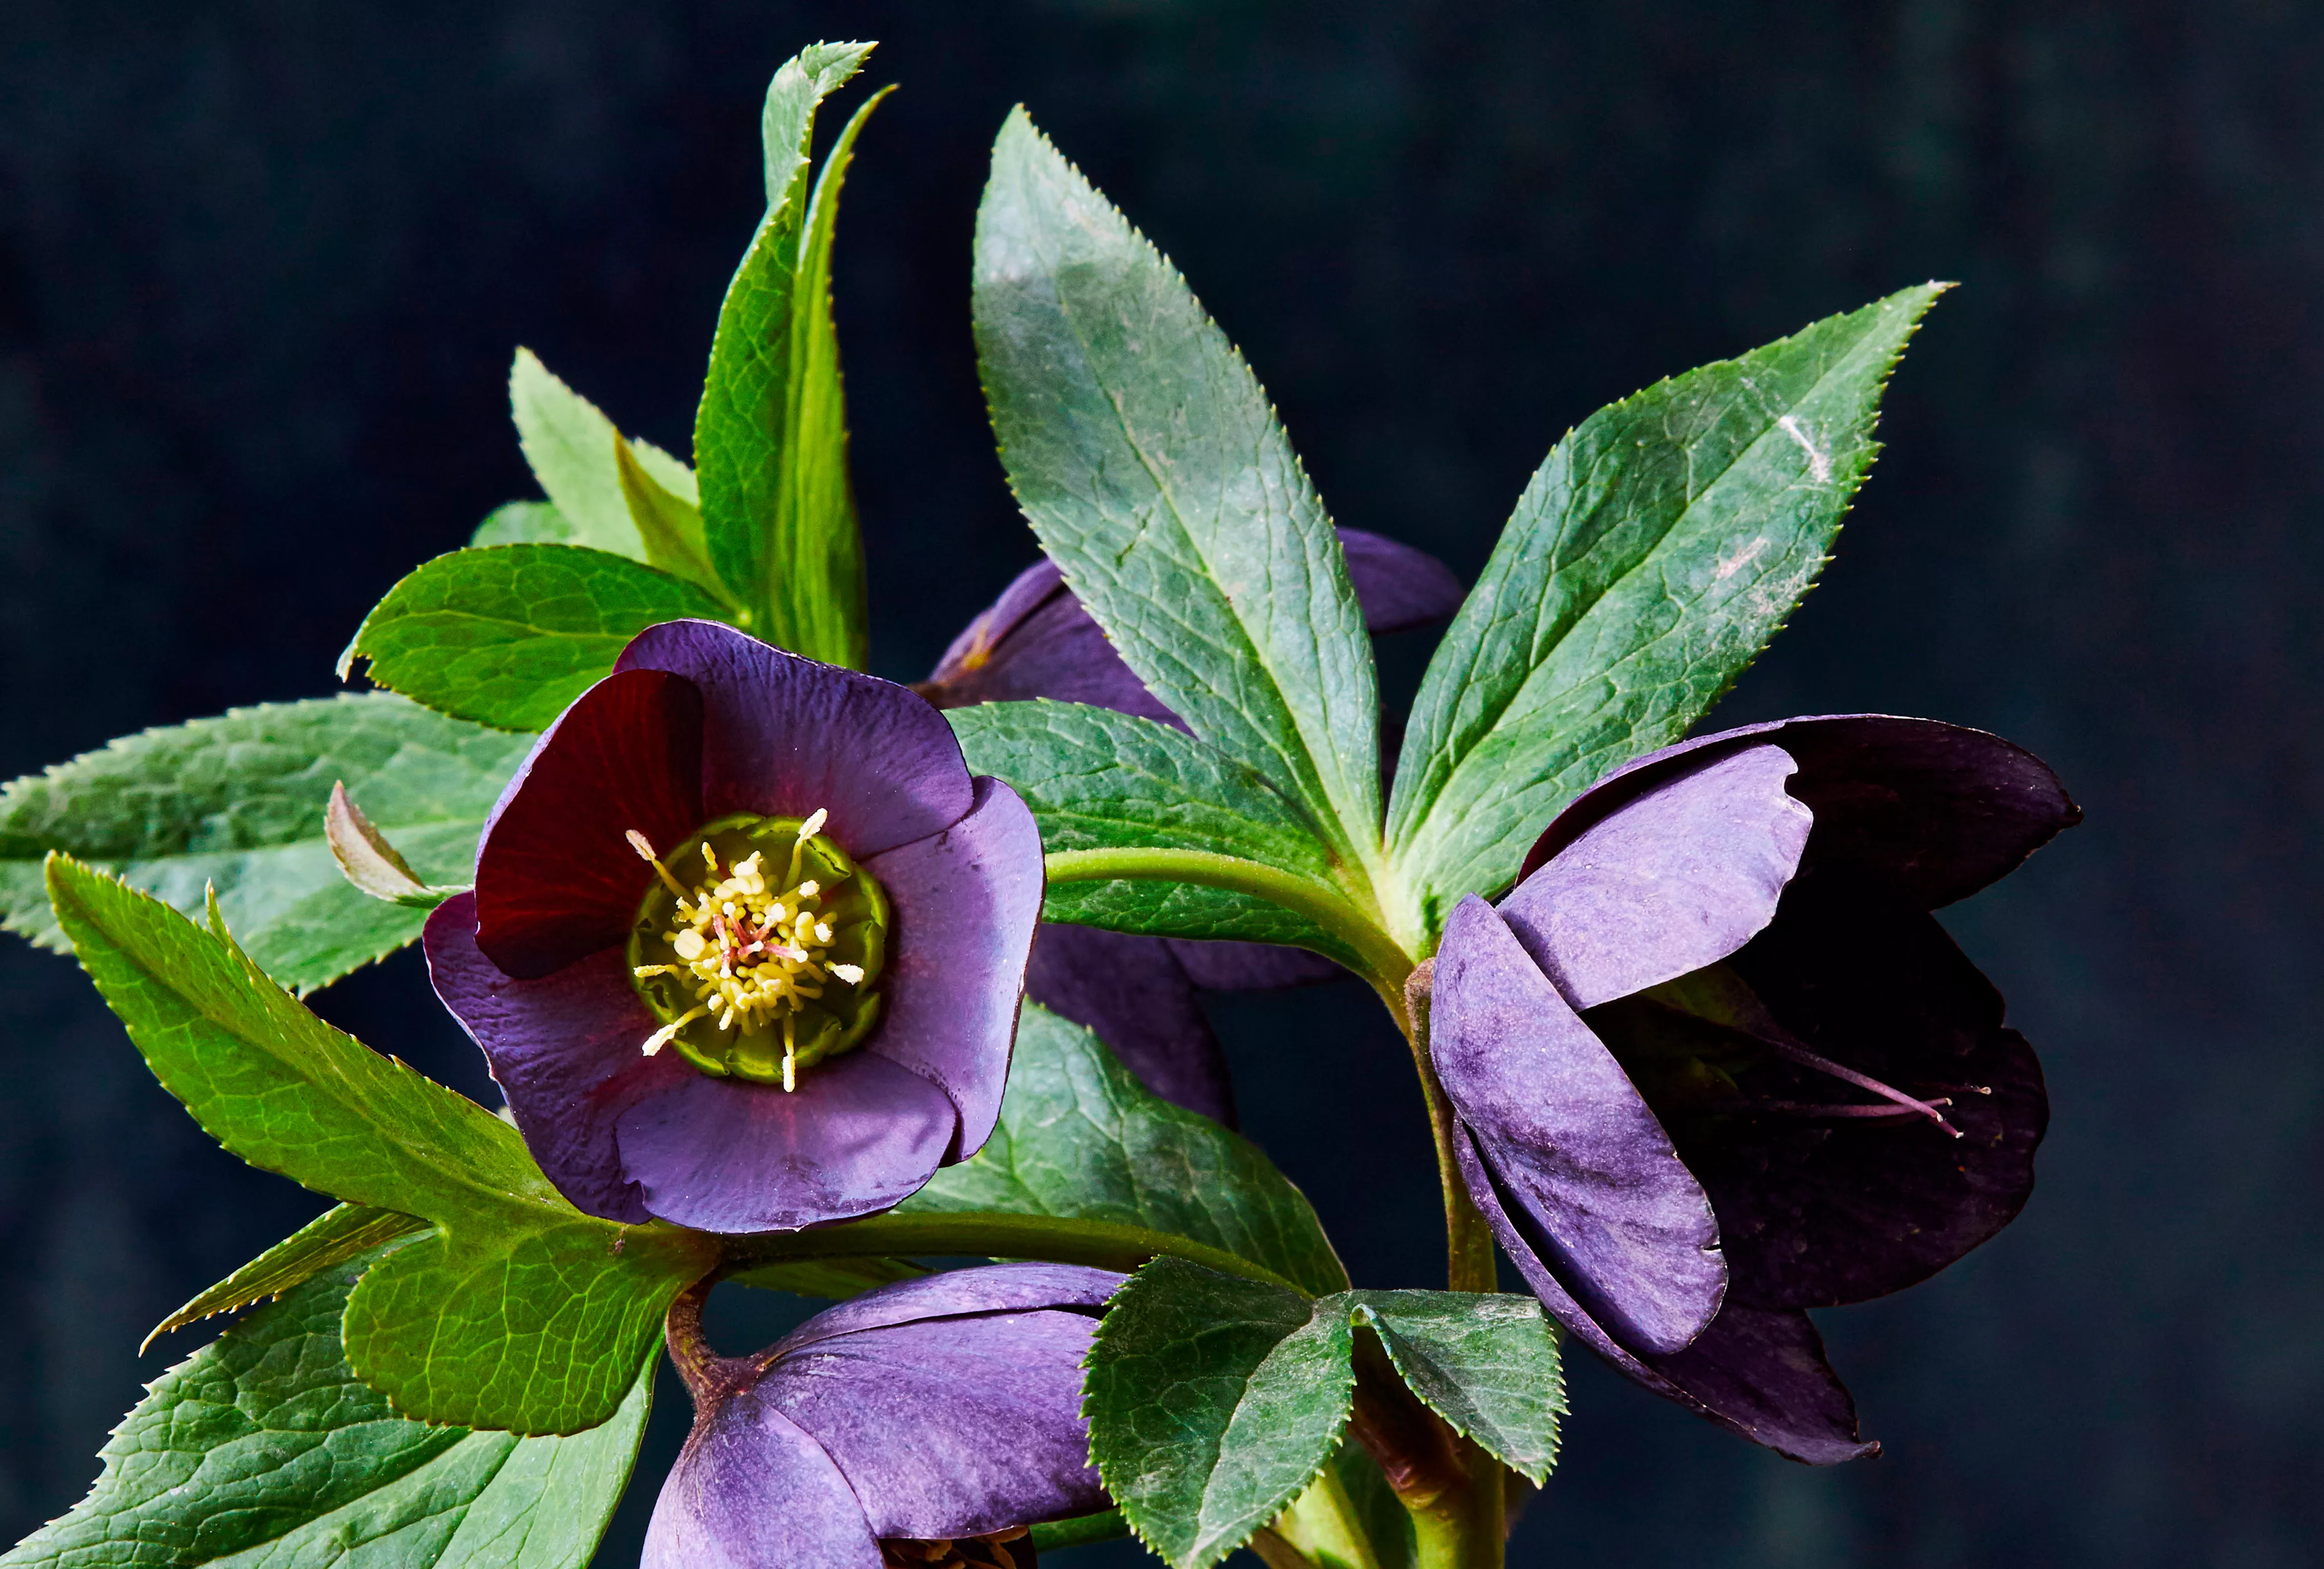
1465	1529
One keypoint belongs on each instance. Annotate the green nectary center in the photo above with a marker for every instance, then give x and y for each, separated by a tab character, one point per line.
759	946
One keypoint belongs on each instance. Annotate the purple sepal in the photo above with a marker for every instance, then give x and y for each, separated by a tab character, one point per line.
1233	966
752	1490
988	1288
1621	1221
1397	587
1135	994
1678	876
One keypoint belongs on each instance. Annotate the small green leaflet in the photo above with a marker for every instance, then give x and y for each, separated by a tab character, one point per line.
340	1233
519	1312
264	1451
509	635
237	803
1213	1403
770	436
1144	453
1080	1138
1649	560
574	451
524	523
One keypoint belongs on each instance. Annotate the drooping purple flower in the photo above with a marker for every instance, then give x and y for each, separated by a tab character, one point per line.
1140	993
1715	1062
747	939
934	1411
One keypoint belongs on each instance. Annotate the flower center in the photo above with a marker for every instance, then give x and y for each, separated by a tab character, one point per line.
769	960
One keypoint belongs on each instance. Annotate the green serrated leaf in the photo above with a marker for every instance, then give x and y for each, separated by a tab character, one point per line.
264	1451
1488	1364
1649	560
671	524
1145	456
1081	1138
1182	909
524	523
341	1232
570	444
237	803
772	433
519	1312
509	635
1212	1403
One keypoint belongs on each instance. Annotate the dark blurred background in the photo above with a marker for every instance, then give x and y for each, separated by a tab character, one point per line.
263	266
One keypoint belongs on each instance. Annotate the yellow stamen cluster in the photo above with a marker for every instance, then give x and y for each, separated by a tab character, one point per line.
752	947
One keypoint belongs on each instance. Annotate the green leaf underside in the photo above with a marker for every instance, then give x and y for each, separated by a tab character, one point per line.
1104	1526
1081	1138
1650	560
341	1232
1096	780
570	444
1185	909
519	1312
771	435
264	1451
1212	1403
523	524
1488	1365
508	636
237	802
1145	456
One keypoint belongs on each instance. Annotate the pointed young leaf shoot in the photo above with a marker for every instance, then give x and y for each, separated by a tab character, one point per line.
570	444
670	524
770	436
340	1233
1080	1138
520	1313
265	1447
509	635
1649	560
1145	453
1212	1403
237	803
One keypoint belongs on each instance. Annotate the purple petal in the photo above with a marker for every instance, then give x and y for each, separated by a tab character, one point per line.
1622	1223
751	1490
966	901
1396	586
563	1049
1944	809
784	736
972	649
1216	967
986	1289
859	1135
1674	878
1135	994
951	1427
556	877
1818	1213
1760	1374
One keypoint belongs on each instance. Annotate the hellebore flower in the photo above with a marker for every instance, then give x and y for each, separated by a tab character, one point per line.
747	939
1715	1062
1138	993
924	1424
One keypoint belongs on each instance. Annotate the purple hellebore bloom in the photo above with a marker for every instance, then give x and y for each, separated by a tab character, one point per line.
1714	1063
889	1427
782	872
1138	993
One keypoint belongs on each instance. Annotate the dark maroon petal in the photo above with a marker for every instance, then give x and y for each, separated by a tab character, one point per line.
1620	1220
1820	1212
859	1135
986	1289
784	737
951	1427
556	875
966	901
1760	1374
1250	966
1136	994
1396	586
563	1049
751	1490
1944	809
1677	877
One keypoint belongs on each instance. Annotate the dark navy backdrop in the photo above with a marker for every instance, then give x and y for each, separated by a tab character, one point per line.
262	267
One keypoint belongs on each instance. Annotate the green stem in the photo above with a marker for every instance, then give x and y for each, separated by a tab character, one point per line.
996	1234
1385	964
1321	1528
1469	1264
1465	1529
